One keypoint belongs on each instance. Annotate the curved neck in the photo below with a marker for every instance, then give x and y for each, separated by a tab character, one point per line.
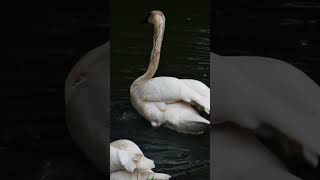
155	55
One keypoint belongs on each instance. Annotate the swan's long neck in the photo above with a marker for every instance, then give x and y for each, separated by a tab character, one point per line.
155	55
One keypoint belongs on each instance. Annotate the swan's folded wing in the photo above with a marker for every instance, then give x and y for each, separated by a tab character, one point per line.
187	120
197	86
297	125
170	90
285	99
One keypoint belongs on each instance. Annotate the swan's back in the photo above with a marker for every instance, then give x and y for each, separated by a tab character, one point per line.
279	79
126	145
198	87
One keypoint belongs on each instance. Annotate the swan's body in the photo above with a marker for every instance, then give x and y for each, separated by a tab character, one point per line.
126	145
237	154
161	100
127	156
142	175
86	109
257	91
128	162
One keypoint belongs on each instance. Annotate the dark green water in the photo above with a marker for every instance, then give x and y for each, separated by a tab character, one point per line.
185	54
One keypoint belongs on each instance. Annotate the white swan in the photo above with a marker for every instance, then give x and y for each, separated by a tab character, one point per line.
238	154
86	110
167	100
140	175
128	162
126	155
258	91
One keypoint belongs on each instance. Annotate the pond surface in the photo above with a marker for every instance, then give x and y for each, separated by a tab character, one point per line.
185	54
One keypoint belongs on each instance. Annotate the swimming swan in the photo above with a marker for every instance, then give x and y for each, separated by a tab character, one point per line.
126	155
128	162
169	101
258	91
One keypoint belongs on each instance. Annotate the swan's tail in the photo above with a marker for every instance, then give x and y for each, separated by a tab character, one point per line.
194	124
184	119
199	93
201	103
305	130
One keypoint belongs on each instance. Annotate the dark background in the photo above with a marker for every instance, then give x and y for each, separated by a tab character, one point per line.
39	45
283	29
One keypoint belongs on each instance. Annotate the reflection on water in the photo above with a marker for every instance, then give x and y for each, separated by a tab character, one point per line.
185	54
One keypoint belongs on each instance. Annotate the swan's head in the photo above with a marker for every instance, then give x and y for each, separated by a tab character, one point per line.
135	161
155	17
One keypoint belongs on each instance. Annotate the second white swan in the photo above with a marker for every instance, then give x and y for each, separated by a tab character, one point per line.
169	101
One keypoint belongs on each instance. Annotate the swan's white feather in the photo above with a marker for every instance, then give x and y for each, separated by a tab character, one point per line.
126	145
179	116
183	118
198	87
171	90
252	91
122	153
238	154
145	175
